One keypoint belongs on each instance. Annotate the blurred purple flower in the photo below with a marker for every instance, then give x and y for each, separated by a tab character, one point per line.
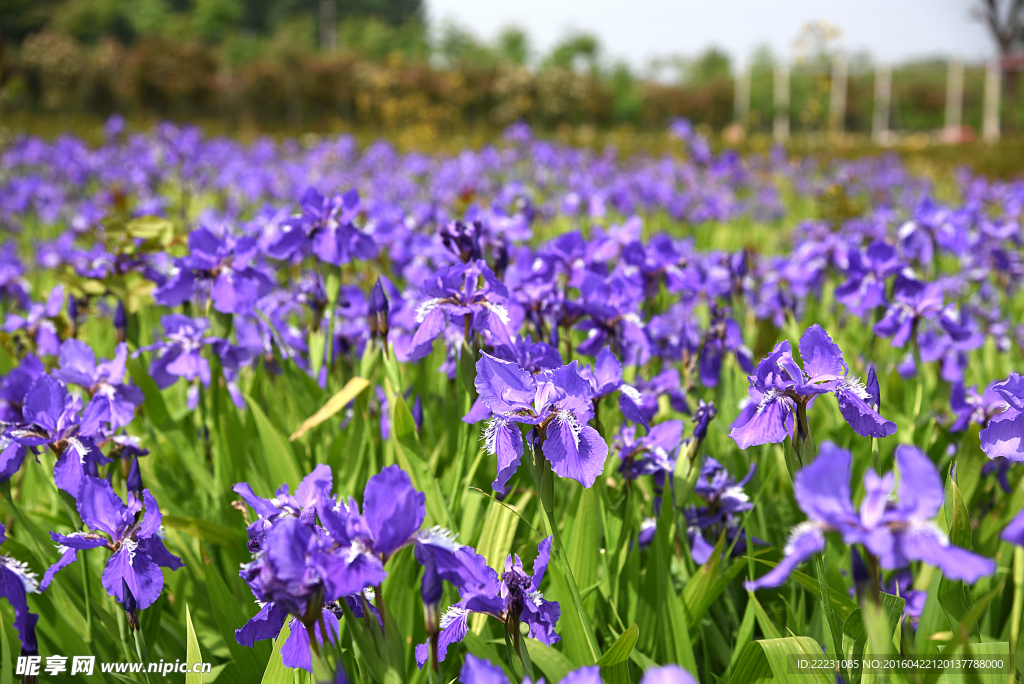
895	531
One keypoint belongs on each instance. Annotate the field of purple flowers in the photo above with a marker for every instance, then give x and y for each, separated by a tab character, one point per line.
320	413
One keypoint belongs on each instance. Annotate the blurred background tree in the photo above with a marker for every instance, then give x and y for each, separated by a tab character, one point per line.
264	65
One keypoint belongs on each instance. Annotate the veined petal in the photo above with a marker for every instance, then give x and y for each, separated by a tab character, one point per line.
821	356
503	385
576	452
864	420
266	624
503	439
770	423
1004	436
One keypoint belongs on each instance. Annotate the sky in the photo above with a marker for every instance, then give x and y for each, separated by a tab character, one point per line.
638	30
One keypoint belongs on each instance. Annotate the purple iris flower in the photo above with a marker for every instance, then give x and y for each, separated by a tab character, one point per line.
113	401
285	579
606	377
462	238
16	582
702	417
301	505
180	355
39	324
180	351
12	282
654	452
912	301
724	499
902	584
52	416
13	388
896	531
132	532
559	402
1004	436
864	289
529	355
326	228
667	674
971	407
221	268
1014	531
512	598
302	569
723	336
780	387
469	294
479	671
610	306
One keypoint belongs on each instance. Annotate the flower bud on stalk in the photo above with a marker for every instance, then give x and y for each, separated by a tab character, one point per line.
73	315
120	322
431	590
379	312
131	607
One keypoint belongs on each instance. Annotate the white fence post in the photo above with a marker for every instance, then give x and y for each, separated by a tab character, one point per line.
883	98
837	99
780	127
990	122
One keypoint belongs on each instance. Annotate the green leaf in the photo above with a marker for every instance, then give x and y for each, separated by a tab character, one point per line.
192	653
228	617
841	603
768	628
955	596
6	672
153	401
151	228
277	452
855	633
996	650
208	531
583	534
768	659
744	636
826	603
706	585
339	401
276	672
410	456
660	616
615	661
960	636
551	662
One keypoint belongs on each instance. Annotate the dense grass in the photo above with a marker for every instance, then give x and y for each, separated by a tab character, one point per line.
698	615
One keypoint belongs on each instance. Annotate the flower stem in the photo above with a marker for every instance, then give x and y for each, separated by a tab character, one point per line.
544	479
1018	608
140	648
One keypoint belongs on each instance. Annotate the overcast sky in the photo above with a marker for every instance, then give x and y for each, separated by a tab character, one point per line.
637	30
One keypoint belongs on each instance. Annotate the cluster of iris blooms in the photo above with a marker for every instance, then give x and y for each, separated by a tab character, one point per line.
452	245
